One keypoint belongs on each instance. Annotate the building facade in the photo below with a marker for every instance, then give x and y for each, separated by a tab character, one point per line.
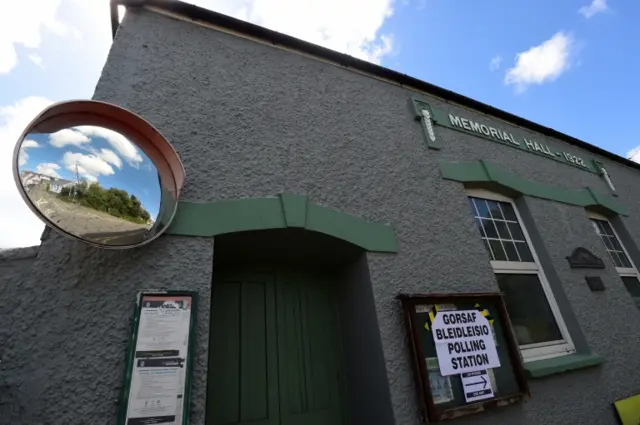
319	189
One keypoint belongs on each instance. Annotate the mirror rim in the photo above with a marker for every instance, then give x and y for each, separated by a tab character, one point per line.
155	146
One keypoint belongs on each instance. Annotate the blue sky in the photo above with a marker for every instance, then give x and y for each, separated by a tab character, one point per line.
94	160
571	65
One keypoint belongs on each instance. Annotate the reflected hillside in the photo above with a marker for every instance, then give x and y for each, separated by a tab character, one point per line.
115	202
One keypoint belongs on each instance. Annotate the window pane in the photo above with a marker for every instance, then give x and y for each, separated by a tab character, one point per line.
616	260
507	209
608	243
510	249
480	228
498	252
528	308
625	260
502	225
495	210
632	284
596	227
486	245
489	228
516	232
481	206
473	207
606	227
503	231
525	254
616	244
611	243
601	230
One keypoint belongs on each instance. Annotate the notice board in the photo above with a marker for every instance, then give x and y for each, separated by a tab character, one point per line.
159	360
464	353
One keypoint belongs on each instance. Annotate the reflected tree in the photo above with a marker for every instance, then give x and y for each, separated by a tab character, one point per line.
116	202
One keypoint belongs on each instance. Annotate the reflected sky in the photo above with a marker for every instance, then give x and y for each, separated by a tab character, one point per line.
95	154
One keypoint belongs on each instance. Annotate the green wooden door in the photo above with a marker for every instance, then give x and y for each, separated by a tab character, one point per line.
274	350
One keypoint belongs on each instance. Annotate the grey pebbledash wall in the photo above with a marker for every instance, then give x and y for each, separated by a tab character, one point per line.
252	120
66	327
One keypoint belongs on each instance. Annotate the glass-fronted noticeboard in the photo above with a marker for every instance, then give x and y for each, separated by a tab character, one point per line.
464	353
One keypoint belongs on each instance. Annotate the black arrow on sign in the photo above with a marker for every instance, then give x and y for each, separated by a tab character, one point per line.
484	381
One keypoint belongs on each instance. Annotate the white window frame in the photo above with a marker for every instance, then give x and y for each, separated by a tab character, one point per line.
543	350
622	271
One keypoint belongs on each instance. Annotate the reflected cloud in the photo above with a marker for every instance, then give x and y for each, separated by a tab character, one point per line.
110	157
67	137
120	143
23	156
89	166
93	183
48	169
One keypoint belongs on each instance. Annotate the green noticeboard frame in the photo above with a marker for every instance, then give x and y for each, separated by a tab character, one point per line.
133	344
508	381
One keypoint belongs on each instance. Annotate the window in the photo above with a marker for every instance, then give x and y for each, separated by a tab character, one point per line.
534	314
618	254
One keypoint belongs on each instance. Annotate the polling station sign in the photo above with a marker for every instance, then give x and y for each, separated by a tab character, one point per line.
464	342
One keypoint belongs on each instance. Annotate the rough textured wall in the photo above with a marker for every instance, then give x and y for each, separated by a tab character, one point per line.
64	354
368	393
251	120
64	327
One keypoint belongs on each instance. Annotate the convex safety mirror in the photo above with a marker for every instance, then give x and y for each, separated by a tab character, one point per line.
98	173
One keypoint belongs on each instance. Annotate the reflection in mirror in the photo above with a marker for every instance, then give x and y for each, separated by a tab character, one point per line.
95	184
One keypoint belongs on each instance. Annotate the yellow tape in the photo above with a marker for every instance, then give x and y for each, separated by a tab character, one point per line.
436	309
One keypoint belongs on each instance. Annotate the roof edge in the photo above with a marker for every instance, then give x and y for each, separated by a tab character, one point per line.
197	13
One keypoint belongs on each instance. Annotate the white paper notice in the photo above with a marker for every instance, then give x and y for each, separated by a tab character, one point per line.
464	342
476	386
159	370
441	390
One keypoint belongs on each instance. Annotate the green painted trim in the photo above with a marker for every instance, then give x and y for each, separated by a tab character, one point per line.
561	364
486	173
418	106
284	211
517	136
295	209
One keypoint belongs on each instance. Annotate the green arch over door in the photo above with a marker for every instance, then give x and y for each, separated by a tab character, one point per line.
279	212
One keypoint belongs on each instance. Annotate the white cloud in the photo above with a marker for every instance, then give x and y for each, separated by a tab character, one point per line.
348	26
495	63
48	169
128	150
110	157
23	156
19	226
50	29
67	137
23	24
541	64
37	59
595	7
634	154
28	143
89	166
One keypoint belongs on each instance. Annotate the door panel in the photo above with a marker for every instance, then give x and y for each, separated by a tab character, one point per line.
274	350
243	352
308	352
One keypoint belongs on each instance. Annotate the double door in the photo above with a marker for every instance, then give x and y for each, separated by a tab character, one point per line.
275	355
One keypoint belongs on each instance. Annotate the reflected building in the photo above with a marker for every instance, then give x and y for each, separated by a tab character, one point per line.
31	179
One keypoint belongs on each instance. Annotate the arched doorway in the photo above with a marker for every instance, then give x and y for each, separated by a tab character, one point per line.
292	314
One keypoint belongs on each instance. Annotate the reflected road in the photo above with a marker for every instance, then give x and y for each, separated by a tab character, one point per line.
86	222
